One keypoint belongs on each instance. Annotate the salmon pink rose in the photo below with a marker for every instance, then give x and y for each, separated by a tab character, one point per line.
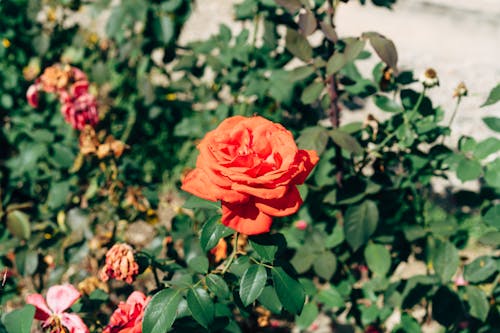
252	166
128	317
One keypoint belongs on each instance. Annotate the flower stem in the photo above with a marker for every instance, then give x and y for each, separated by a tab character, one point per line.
455	111
233	254
417	105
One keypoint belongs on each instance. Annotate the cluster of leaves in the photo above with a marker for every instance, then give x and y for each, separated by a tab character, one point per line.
378	240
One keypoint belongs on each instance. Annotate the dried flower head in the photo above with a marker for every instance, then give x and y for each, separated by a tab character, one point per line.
460	90
90	284
429	78
219	251
120	264
55	78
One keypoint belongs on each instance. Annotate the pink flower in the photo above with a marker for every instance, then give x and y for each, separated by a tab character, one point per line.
460	281
80	110
127	318
52	313
32	95
301	225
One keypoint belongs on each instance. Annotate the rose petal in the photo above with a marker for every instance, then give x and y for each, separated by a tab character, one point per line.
73	323
245	218
32	95
137	298
308	159
60	298
42	312
197	182
260	192
284	206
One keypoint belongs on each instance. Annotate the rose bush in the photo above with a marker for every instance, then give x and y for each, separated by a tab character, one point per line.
253	166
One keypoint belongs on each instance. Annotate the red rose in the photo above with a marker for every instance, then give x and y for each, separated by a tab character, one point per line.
127	318
252	166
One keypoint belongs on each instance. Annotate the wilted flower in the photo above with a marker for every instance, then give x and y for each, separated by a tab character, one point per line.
52	313
55	78
120	264
220	251
71	86
429	78
136	199
32	95
90	284
80	111
127	318
460	90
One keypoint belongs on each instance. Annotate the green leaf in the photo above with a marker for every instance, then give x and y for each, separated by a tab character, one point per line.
218	286
298	45
493	97
468	170
161	311
335	63
325	265
478	303
41	43
18	224
445	261
212	231
307	317
311	93
307	22
386	104
336	237
487	147
115	20
303	258
201	306
269	299
360	222
331	298
58	194
480	269
408	325
492	216
19	321
252	283
194	202
290	292
353	49
198	264
384	47
301	73
378	259
467	144
492	173
493	123
291	5
164	29
266	246
346	141
313	138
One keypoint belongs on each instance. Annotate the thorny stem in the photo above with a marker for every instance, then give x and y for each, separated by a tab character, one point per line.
334	112
233	254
